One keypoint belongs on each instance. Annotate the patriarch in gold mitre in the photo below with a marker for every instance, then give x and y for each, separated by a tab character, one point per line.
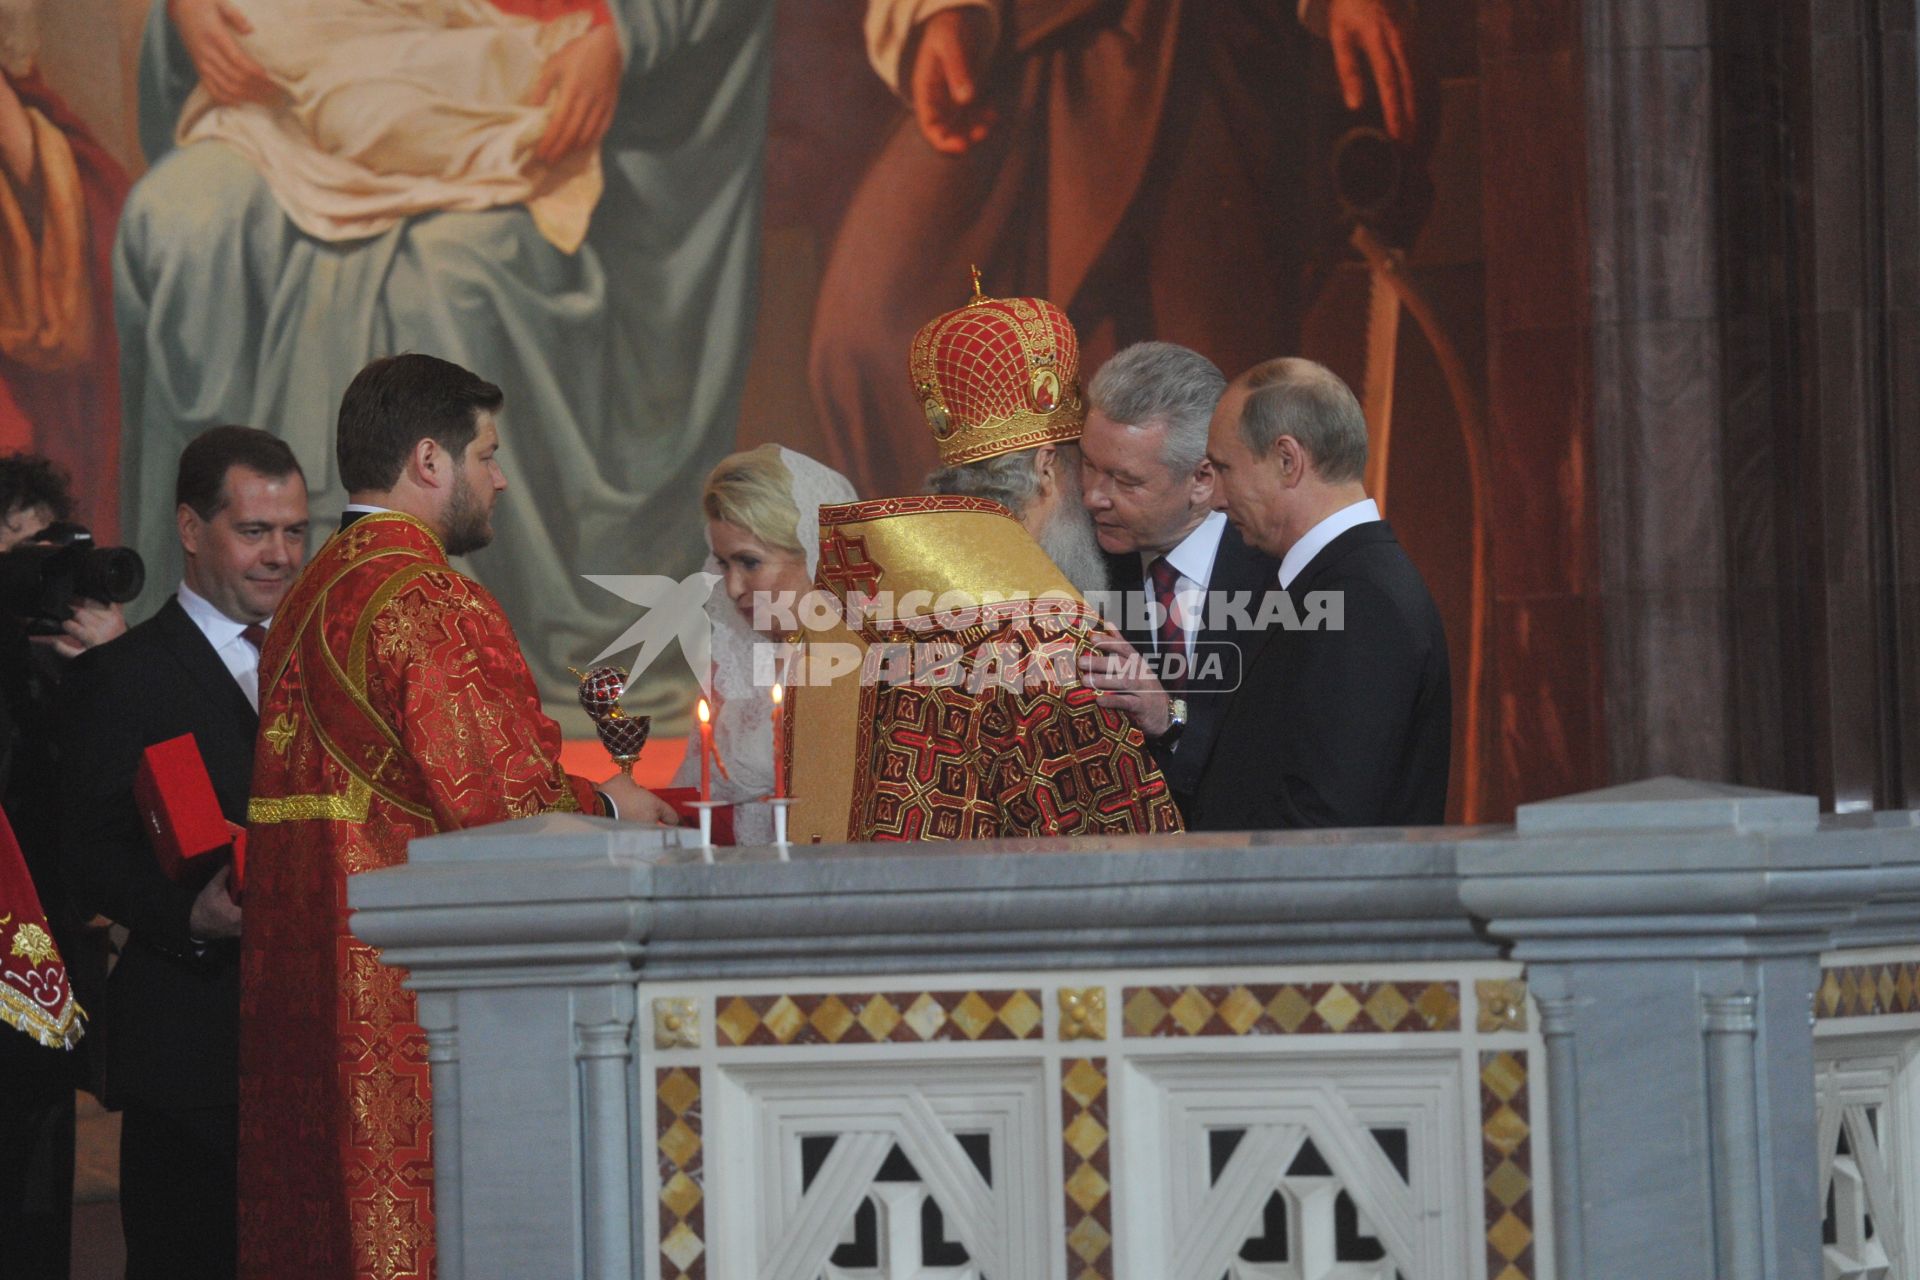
941	699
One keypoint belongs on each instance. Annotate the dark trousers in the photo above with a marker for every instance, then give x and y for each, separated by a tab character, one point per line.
36	1158
177	1192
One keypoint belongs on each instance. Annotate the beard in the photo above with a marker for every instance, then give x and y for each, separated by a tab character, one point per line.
1070	541
19	36
469	520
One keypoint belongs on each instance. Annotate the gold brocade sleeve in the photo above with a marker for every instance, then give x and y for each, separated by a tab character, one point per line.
1068	765
469	713
46	300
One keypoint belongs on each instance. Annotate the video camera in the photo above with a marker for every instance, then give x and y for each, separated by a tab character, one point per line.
40	579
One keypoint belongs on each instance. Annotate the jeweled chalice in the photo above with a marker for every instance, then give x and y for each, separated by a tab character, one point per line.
621	734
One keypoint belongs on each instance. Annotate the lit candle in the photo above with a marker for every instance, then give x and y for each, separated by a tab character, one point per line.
706	751
779	749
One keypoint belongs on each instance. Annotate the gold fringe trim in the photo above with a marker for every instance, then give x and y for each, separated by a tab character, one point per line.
24	1015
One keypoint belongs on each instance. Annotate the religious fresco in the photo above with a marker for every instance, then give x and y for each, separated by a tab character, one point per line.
766	220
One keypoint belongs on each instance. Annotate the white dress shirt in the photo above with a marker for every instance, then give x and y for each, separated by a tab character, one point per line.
224	634
1301	553
1193	561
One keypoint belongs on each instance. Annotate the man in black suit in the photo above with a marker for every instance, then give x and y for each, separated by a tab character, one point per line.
173	1000
1190	585
1345	716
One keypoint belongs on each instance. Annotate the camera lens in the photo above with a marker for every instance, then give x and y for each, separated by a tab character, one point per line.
113	575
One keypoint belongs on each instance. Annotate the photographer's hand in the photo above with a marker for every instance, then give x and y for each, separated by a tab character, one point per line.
92	624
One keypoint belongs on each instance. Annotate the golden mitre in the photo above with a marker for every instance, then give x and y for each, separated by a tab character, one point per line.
997	376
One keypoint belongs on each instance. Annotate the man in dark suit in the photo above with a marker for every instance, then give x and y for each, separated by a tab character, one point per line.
173	999
1345	716
1190	585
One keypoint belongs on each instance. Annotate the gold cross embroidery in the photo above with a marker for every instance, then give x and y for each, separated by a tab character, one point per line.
279	733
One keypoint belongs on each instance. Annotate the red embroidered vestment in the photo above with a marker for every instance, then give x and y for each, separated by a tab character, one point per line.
395	703
999	739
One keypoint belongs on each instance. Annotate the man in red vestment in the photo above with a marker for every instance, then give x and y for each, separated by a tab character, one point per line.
395	703
60	198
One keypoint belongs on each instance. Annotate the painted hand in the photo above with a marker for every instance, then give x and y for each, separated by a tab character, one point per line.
1373	30
211	30
945	87
581	87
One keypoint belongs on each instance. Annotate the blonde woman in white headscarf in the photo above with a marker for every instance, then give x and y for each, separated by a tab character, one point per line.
763	535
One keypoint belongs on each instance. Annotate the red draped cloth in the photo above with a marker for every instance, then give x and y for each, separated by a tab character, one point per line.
395	703
72	413
35	996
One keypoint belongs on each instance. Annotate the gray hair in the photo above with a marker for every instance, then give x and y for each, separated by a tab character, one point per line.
1007	478
1308	401
1158	383
19	35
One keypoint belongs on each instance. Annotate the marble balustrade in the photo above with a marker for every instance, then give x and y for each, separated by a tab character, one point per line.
1660	1030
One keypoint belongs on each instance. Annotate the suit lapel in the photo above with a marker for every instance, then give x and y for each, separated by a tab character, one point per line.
189	647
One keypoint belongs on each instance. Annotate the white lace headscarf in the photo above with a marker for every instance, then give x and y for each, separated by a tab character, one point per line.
743	728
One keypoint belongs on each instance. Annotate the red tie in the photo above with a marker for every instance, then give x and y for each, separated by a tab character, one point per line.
1172	637
254	634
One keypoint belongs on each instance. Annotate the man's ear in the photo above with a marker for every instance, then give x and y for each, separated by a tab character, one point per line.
1046	469
1202	482
189	523
427	463
1290	459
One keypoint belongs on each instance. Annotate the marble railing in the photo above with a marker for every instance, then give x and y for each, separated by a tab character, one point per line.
1577	1047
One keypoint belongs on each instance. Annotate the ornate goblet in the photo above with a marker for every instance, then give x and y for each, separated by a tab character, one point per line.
621	734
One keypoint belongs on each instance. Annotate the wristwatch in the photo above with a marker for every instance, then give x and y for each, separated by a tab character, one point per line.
1176	722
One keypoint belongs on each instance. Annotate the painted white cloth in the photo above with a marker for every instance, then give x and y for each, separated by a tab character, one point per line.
743	721
394	108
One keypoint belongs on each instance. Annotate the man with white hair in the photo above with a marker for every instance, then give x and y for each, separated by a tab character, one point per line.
60	196
1193	586
1357	681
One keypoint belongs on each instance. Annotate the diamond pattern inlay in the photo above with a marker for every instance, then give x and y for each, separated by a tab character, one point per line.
899	1017
1308	1008
1240	1010
1089	1194
683	1225
1506	1161
1867	991
1143	1011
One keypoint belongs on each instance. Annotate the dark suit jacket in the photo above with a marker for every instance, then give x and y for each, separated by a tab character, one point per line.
172	1017
1237	569
1347	728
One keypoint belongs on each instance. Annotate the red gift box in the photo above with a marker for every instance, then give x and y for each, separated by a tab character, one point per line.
684	798
182	815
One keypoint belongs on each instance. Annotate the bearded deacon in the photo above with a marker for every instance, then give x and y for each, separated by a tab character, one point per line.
394	703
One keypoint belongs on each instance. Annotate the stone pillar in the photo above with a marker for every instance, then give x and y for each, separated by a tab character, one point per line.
1671	933
522	940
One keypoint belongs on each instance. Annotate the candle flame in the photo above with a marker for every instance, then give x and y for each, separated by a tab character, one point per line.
778	695
706	713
